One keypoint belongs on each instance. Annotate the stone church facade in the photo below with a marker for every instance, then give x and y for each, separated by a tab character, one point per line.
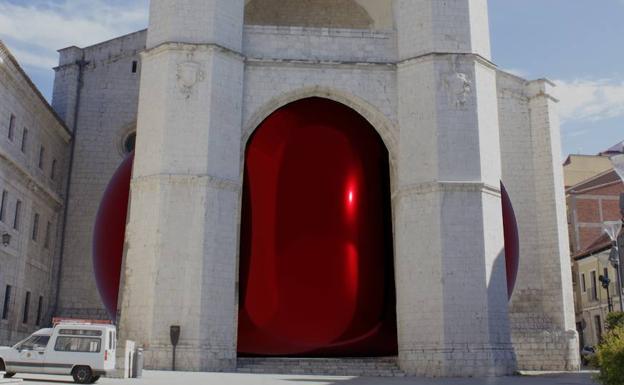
196	85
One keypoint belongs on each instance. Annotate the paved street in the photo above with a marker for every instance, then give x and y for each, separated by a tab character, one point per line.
170	378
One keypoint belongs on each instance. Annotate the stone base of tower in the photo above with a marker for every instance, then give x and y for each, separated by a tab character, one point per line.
190	359
458	360
544	349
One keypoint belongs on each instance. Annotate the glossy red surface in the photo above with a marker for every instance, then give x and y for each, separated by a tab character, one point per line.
316	245
109	233
316	271
512	241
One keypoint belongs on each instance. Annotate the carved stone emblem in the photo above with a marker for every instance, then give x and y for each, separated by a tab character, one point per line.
459	88
463	89
189	74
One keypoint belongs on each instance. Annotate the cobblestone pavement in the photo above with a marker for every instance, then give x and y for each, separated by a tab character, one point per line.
171	378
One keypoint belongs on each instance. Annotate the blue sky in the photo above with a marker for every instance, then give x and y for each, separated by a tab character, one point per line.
579	44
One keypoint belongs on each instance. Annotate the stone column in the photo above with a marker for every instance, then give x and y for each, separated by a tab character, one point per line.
542	307
182	243
66	84
451	288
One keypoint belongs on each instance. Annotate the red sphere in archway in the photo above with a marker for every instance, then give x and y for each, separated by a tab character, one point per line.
316	266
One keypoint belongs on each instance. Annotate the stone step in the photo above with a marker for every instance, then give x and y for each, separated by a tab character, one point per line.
362	367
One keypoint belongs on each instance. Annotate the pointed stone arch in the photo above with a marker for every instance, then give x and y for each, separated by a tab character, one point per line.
354	14
383	125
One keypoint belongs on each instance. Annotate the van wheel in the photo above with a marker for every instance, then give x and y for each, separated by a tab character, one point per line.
82	374
3	369
94	379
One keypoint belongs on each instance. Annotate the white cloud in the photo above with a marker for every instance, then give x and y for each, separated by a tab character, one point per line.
32	59
590	100
35	31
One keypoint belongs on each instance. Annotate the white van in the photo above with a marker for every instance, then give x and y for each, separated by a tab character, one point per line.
85	351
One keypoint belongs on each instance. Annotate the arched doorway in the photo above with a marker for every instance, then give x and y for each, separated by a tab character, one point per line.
316	264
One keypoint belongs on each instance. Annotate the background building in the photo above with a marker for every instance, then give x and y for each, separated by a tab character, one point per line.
591	202
34	158
593	301
577	168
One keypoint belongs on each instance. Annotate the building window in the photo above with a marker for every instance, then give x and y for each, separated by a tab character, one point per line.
41	156
11	133
46	242
39	310
53	170
26	308
3	203
598	325
583	283
35	229
7	302
135	66
24	139
18	215
594	287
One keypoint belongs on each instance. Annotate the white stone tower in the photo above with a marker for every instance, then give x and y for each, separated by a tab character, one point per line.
182	232
448	227
420	72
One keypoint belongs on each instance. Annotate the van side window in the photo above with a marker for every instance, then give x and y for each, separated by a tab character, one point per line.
110	340
77	344
80	332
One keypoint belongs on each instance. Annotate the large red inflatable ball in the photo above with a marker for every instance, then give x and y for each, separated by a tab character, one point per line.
512	241
109	235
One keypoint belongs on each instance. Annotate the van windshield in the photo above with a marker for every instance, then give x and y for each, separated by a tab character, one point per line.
33	342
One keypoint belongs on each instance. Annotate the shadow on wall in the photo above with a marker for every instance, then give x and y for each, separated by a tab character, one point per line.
498	280
308	13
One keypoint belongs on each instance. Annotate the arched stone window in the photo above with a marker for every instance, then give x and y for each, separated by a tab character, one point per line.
353	14
129	143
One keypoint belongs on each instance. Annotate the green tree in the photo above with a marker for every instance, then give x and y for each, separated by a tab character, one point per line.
610	357
614	320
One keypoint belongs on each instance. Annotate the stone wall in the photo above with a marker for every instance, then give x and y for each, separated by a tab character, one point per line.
317	45
97	85
541	309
